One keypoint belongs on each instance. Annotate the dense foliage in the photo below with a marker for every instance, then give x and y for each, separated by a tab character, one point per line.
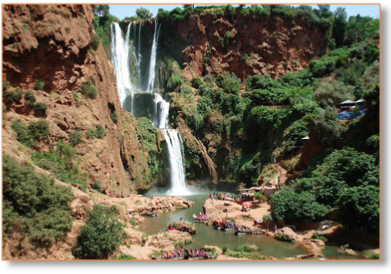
33	206
101	236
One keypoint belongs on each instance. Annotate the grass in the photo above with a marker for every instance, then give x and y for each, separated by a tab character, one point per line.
89	90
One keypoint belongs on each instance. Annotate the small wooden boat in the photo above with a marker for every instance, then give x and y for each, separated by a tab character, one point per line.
199	221
228	228
242	232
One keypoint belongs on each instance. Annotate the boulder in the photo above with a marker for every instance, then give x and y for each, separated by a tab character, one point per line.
285	234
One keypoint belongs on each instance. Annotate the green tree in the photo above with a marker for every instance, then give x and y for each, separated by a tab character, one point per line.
259	197
331	94
143	13
101	10
339	26
359	208
267	218
325	126
101	235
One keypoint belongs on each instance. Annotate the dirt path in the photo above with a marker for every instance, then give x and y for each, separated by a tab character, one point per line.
283	174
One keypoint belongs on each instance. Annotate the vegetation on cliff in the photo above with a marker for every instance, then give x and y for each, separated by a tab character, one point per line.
241	114
101	236
33	206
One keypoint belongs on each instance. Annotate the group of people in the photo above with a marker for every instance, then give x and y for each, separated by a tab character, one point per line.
173	254
197	253
222	225
221	196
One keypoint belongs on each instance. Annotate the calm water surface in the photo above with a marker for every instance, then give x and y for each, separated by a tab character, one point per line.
207	235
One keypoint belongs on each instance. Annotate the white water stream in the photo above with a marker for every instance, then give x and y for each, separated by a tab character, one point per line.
120	59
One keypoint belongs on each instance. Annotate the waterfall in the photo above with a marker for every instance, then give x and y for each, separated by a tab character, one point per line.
139	81
120	60
160	119
120	50
152	64
177	164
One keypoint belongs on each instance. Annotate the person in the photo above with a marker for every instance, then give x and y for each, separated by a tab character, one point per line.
210	195
275	228
180	219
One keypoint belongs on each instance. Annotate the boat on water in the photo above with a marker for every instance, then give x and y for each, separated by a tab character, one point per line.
241	232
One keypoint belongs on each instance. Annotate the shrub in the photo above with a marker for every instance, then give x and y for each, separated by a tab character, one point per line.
76	98
259	196
40	108
39	84
196	82
101	236
209	78
89	90
90	133
61	163
33	206
29	98
132	221
6	85
100	132
231	85
244	57
39	130
114	116
22	132
74	137
96	186
95	41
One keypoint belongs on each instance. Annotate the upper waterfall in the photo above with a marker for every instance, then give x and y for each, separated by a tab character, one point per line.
119	49
152	64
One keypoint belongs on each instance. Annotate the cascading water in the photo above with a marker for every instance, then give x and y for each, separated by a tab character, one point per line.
138	64
160	119
152	64
122	70
120	60
177	164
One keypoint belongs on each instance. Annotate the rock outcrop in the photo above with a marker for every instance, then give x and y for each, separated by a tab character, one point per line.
183	226
257	45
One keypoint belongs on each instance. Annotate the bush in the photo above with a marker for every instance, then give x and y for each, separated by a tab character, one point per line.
97	132
39	84
33	206
90	133
89	90
95	41
100	132
11	96
74	137
196	82
76	98
231	85
259	197
209	78
62	163
101	236
96	186
40	108
39	130
114	116
29	98
6	85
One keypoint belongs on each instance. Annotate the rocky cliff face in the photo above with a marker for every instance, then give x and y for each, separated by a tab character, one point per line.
53	43
271	45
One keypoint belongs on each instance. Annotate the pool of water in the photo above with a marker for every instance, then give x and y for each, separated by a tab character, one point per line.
207	235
